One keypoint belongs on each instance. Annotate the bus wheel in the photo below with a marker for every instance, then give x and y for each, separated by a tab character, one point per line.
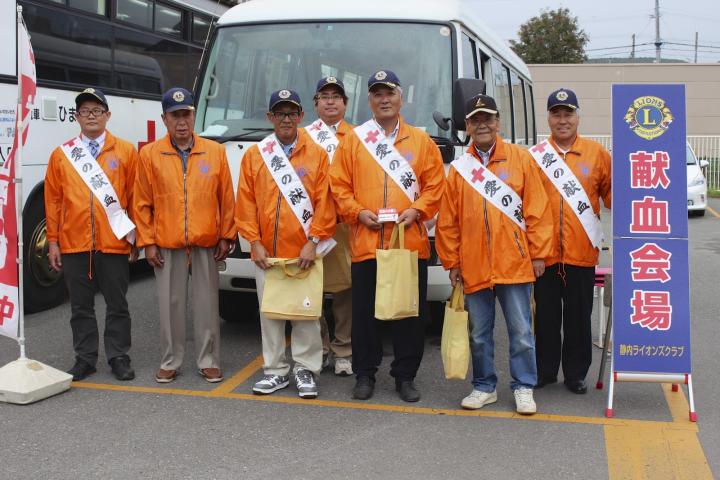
44	288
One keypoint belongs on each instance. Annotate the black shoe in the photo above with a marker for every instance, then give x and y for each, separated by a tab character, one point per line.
121	368
364	388
81	370
408	392
576	386
542	381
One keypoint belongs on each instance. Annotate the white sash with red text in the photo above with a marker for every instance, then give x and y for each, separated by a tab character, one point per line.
491	187
291	187
570	188
385	154
97	181
323	136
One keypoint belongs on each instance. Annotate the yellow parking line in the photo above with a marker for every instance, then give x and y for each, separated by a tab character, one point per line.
546	417
657	450
710	209
240	377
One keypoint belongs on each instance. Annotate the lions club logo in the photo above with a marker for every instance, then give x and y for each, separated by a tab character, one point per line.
178	96
284	94
562	95
649	117
380	75
89	90
331	80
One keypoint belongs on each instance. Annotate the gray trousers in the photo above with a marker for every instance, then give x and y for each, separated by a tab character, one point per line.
172	286
110	274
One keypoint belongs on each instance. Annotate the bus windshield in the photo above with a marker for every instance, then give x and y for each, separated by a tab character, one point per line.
248	62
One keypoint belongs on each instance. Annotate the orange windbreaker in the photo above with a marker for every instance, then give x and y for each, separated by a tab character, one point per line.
75	218
475	236
591	164
175	209
261	212
359	183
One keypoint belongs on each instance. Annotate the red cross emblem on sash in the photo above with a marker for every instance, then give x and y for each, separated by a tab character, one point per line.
269	147
315	126
372	136
539	148
477	175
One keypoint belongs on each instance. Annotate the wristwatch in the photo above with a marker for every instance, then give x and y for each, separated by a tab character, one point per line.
314	240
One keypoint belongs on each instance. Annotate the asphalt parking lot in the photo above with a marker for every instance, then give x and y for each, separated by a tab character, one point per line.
103	428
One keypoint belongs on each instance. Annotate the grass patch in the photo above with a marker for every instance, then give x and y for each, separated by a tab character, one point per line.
714	193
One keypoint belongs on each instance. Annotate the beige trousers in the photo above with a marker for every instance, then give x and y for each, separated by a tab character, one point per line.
305	340
172	286
341	344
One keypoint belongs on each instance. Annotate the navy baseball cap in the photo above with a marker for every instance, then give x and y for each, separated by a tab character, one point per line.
480	103
324	82
383	77
563	97
177	98
280	96
91	94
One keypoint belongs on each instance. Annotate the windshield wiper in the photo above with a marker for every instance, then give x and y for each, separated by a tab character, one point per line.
240	136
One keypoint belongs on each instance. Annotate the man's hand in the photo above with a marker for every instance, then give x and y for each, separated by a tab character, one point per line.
134	254
538	267
153	256
307	255
54	256
369	219
408	217
455	276
222	249
259	255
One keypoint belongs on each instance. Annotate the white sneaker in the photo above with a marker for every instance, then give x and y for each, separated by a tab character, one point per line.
524	403
478	399
343	367
270	383
306	386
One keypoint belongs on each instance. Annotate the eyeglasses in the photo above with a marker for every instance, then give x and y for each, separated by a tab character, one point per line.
327	98
283	115
85	112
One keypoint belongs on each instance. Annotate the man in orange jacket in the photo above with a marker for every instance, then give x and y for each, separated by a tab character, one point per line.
493	233
183	204
88	187
284	209
328	131
564	293
390	165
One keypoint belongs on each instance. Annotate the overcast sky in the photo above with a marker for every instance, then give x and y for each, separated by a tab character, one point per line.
611	23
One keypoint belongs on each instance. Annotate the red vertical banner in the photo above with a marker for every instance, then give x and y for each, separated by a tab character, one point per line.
9	306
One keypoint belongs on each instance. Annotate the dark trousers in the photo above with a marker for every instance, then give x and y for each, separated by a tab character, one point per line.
111	275
408	335
568	306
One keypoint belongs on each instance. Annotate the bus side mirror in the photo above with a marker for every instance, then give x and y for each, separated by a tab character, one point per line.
463	90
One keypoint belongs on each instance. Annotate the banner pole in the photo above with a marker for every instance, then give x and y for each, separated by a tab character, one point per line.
18	189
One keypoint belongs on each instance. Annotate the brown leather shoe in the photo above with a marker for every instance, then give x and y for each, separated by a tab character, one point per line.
212	375
165	376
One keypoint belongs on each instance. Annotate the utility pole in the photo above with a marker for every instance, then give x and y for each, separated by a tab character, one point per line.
658	43
632	52
696	45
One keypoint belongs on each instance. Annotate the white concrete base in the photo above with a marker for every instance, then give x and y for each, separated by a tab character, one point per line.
26	381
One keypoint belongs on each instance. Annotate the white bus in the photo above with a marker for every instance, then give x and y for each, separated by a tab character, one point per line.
131	49
265	45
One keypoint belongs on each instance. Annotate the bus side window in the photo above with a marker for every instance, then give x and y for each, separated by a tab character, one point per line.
469	61
501	84
530	104
518	100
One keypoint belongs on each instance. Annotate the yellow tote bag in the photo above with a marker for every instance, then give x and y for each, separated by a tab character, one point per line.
455	342
291	293
396	287
336	264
